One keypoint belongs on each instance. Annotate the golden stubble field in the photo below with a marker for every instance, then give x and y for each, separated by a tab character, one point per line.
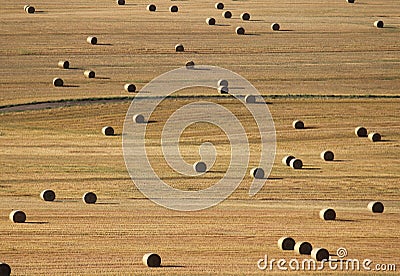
325	49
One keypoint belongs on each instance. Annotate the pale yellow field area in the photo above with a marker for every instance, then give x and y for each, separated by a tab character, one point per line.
324	48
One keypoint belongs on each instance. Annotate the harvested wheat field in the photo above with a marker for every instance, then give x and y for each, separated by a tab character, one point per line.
327	65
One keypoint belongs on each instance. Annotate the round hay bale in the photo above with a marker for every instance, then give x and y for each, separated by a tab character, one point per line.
361	131
17	216
286	243
57	82
63	64
275	26
121	2
378	24
200	167
303	248
223	90
376	207
179	48
151	8
189	64
245	16
320	254
227	14
130	87
107	131
173	8
222	82
89	74
48	195
374	137
286	160
138	118
5	269
152	260
89	198
327	155
240	30
91	40
29	9
257	173
219	6
250	99
210	21
327	214
296	164
298	124
350	1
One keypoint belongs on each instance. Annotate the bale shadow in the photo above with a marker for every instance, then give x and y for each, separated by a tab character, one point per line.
340	160
238	88
70	85
253	34
103	78
104	44
257	20
222	25
172	266
36	222
311	169
107	203
385	141
286	30
275	178
40	11
151	122
65	200
75	68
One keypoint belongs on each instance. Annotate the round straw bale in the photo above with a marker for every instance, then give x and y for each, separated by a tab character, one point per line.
89	74
304	248
89	198
327	155
286	243
320	254
361	131
152	260
48	195
210	21
378	24
257	173
286	160
63	64
189	64
121	2
376	207
223	90
5	269
151	7
107	131
130	87
91	40
223	82
200	167
275	27
245	16
298	124
138	118
179	48
250	99
327	214
29	9
58	82
350	1
296	164
374	137
219	6
240	30
17	216
227	14
173	8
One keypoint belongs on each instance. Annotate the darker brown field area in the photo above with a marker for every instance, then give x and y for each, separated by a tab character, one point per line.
324	48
